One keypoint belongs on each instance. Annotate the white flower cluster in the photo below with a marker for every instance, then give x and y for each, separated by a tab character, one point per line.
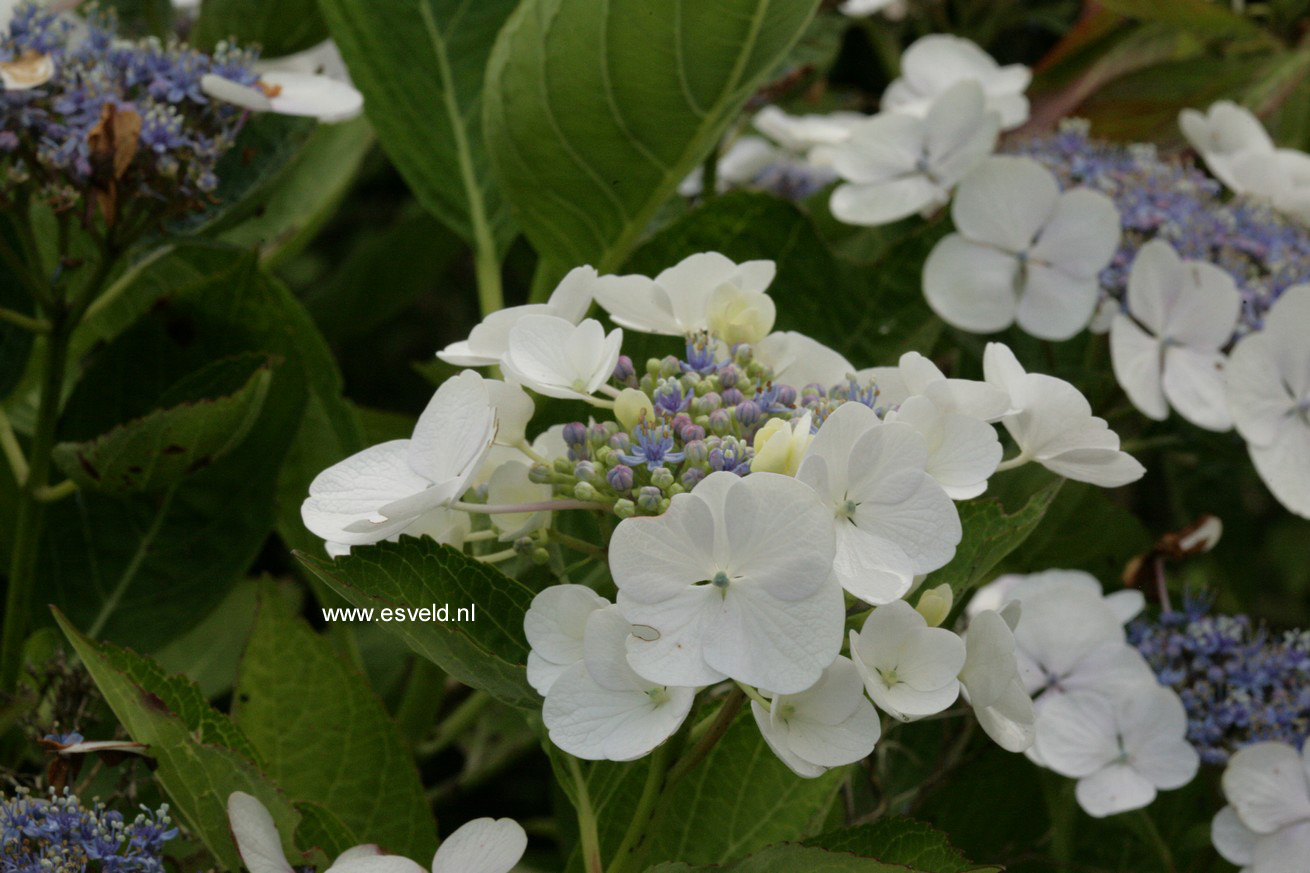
743	575
747	578
484	845
1101	716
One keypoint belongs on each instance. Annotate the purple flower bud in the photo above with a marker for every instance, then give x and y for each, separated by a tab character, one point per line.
786	395
691	477
748	413
692	433
621	442
585	471
728	376
720	422
732	397
624	372
697	451
620	478
575	434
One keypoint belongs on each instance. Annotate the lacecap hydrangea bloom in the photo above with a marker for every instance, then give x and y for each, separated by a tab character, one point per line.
749	513
130	126
57	832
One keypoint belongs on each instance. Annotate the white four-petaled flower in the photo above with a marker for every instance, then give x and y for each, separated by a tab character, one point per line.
935	63
489	339
891	519
378	493
826	725
1022	252
909	669
1166	348
557	358
1052	423
682	299
1122	748
733	581
1269	394
1266	826
600	709
894	165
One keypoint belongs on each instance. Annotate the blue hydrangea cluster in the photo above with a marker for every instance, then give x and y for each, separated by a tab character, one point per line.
1240	683
56	834
708	406
1170	199
124	119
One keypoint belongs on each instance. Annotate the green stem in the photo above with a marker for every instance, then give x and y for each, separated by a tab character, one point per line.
486	263
26	322
27	526
650	793
636	845
586	820
12	450
450	729
1157	841
421	700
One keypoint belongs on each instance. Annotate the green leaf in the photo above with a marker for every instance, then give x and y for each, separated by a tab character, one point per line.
899	841
159	449
1061	540
420	66
279	27
291	209
265	147
326	737
710	819
208	653
321	830
791	859
142	569
488	652
1198	16
990	533
595	111
202	756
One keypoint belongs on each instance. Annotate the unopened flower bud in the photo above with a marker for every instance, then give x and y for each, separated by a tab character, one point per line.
585	471
733	397
691	477
661	478
935	604
575	434
648	499
621	442
720	422
584	491
786	395
728	376
692	433
539	474
748	413
624	372
625	508
697	451
620	478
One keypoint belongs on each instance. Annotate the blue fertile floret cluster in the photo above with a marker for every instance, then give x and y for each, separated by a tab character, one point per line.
1239	683
1171	199
57	833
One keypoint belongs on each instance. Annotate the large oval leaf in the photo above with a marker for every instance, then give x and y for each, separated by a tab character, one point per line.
420	67
596	109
